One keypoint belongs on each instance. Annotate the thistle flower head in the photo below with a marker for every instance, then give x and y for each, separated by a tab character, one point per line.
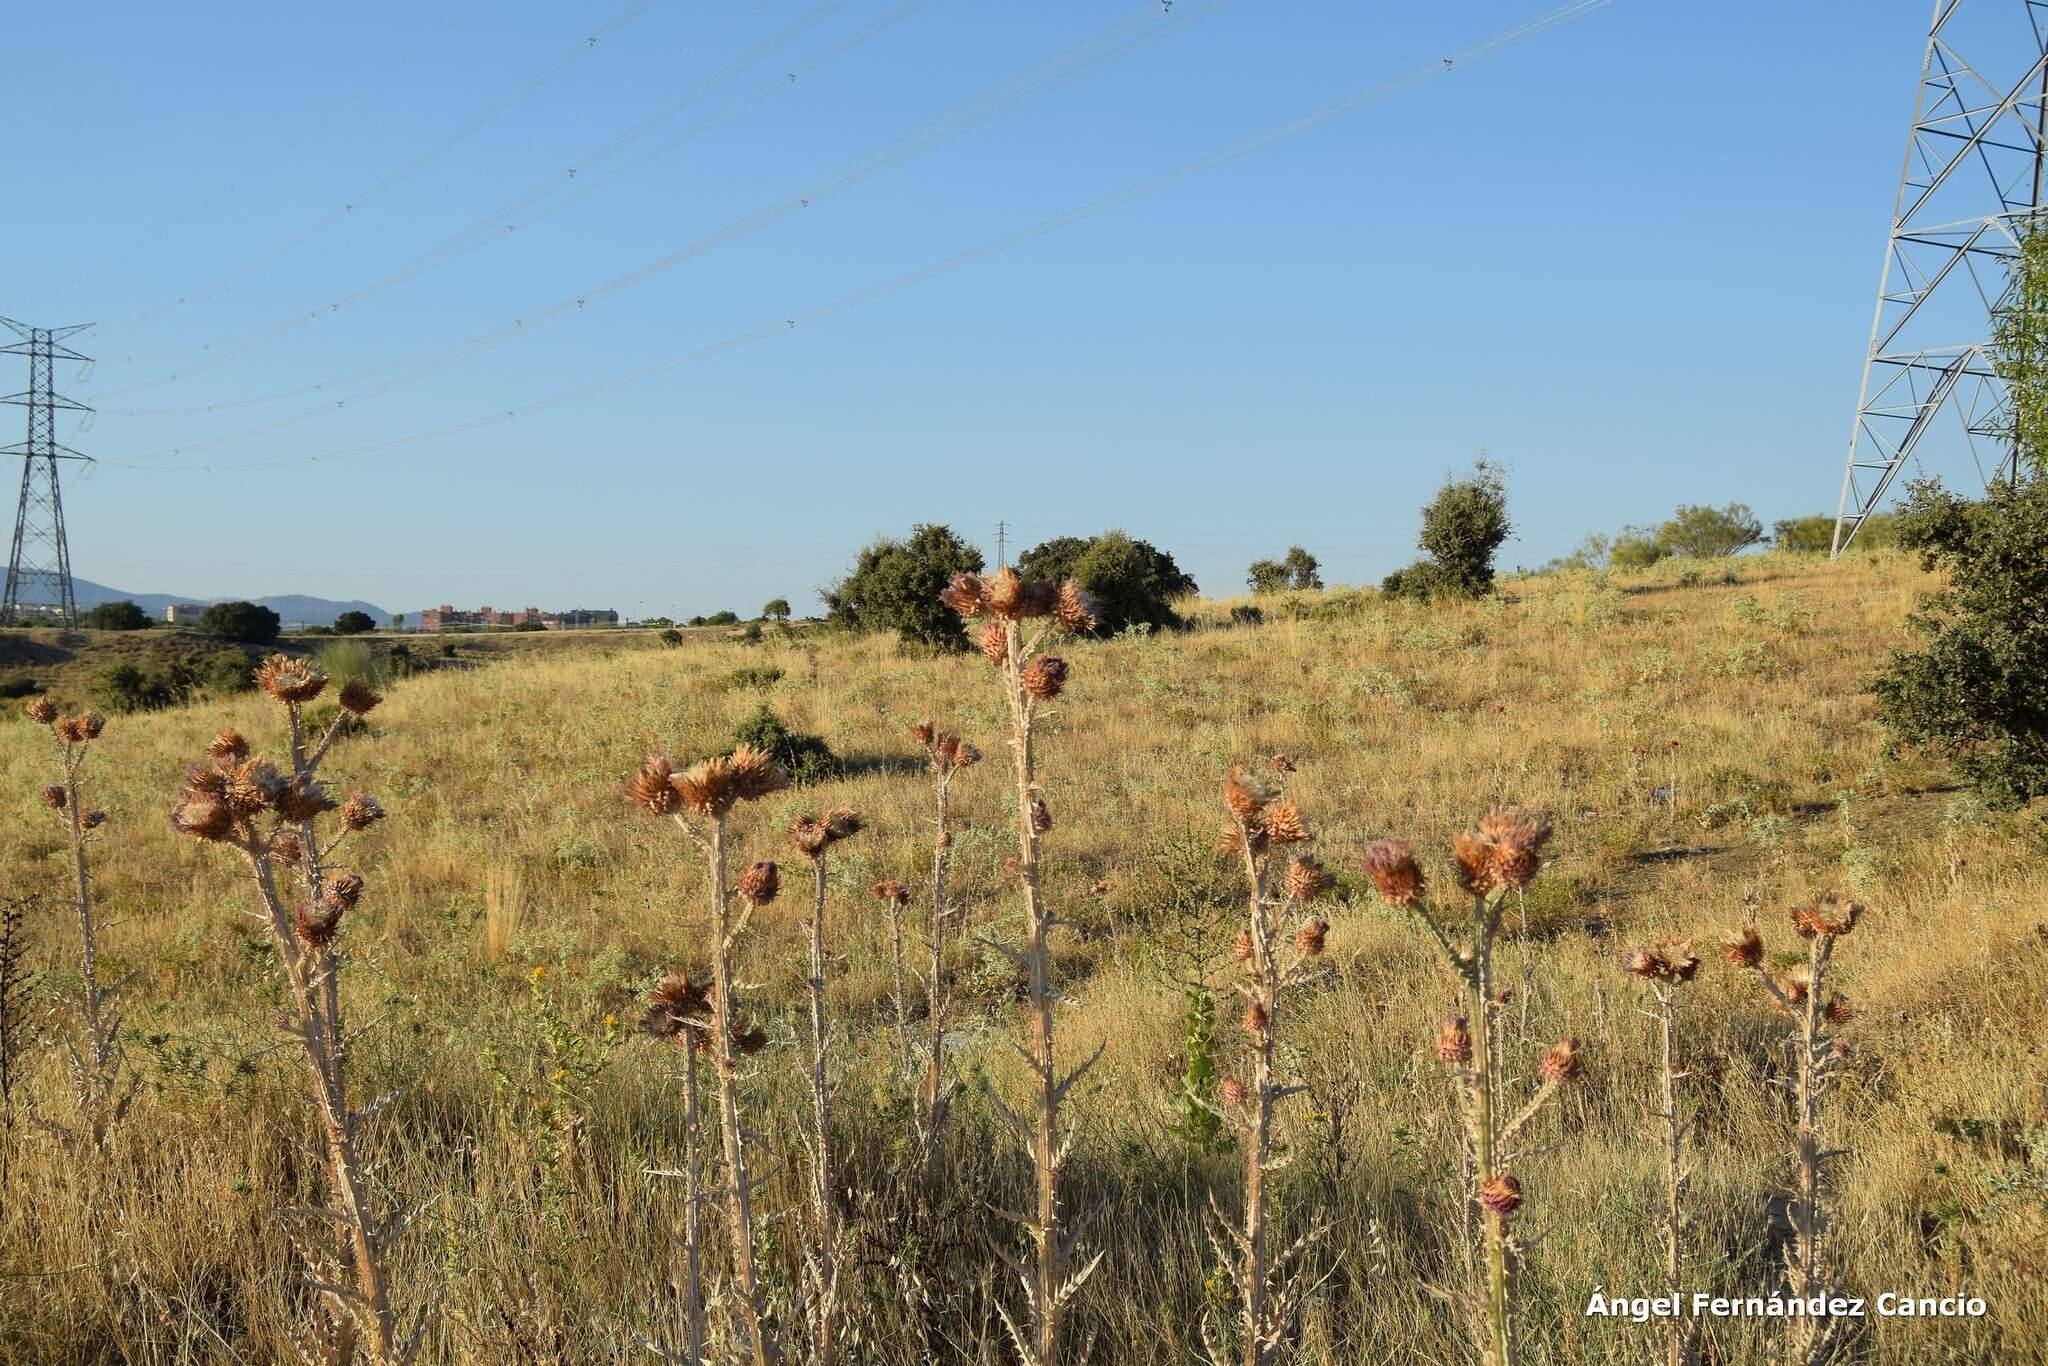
924	733
1232	1091
1256	1020
891	893
1283	823
1745	948
302	799
1662	962
1041	814
1311	937
202	817
290	680
1831	915
70	730
1454	1041
1562	1063
345	891
93	820
967	595
653	785
1074	611
995	643
1391	865
1243	949
1505	851
42	710
1306	879
676	1009
713	787
1501	1196
358	698
1045	676
1246	794
760	882
228	747
55	797
90	725
951	752
815	834
249	787
316	925
1838	1011
360	812
286	845
1010	596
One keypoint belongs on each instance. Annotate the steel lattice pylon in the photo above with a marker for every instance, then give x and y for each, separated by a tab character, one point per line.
1971	186
39	569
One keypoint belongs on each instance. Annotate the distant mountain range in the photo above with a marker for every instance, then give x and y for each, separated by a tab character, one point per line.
293	609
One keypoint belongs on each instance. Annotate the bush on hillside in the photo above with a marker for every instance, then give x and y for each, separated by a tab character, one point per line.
1706	532
244	622
1463	528
1972	690
1133	582
353	623
1297	570
225	672
895	586
129	687
116	616
805	758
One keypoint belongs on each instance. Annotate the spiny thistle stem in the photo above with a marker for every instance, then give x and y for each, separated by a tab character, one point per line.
709	790
96	1063
1667	967
815	837
931	1098
1503	855
223	803
1027	679
677	1010
1817	1059
1262	823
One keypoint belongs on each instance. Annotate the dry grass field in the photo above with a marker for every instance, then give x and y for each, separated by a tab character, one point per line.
1698	735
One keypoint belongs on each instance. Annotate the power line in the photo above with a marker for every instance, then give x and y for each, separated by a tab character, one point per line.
409	168
1060	71
495	224
1244	147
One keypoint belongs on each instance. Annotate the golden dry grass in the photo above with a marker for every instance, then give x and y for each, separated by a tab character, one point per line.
510	850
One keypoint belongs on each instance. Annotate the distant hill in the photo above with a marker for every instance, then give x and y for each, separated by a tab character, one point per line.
292	608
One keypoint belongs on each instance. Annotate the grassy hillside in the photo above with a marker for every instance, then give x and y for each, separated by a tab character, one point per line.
1700	739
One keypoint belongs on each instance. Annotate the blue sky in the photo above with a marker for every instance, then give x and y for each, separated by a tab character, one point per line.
1631	258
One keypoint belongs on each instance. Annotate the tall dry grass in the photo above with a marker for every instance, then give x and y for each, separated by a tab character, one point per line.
1566	695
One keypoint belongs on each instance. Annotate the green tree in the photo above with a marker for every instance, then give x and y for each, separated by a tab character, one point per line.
776	610
1133	582
1972	689
1814	535
2019	333
353	623
1299	570
1696	529
244	622
1637	547
1463	528
116	616
895	585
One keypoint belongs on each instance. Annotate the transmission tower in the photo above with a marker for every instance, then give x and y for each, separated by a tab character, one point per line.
1971	188
39	569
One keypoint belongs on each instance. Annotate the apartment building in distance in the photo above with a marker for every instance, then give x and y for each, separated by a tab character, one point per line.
449	618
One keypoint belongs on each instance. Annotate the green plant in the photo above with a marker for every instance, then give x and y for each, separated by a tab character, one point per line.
242	622
1199	1125
804	758
762	676
777	609
127	687
1298	570
116	616
1131	582
895	586
225	672
1463	528
546	1098
1812	535
671	637
1707	532
1970	690
354	623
